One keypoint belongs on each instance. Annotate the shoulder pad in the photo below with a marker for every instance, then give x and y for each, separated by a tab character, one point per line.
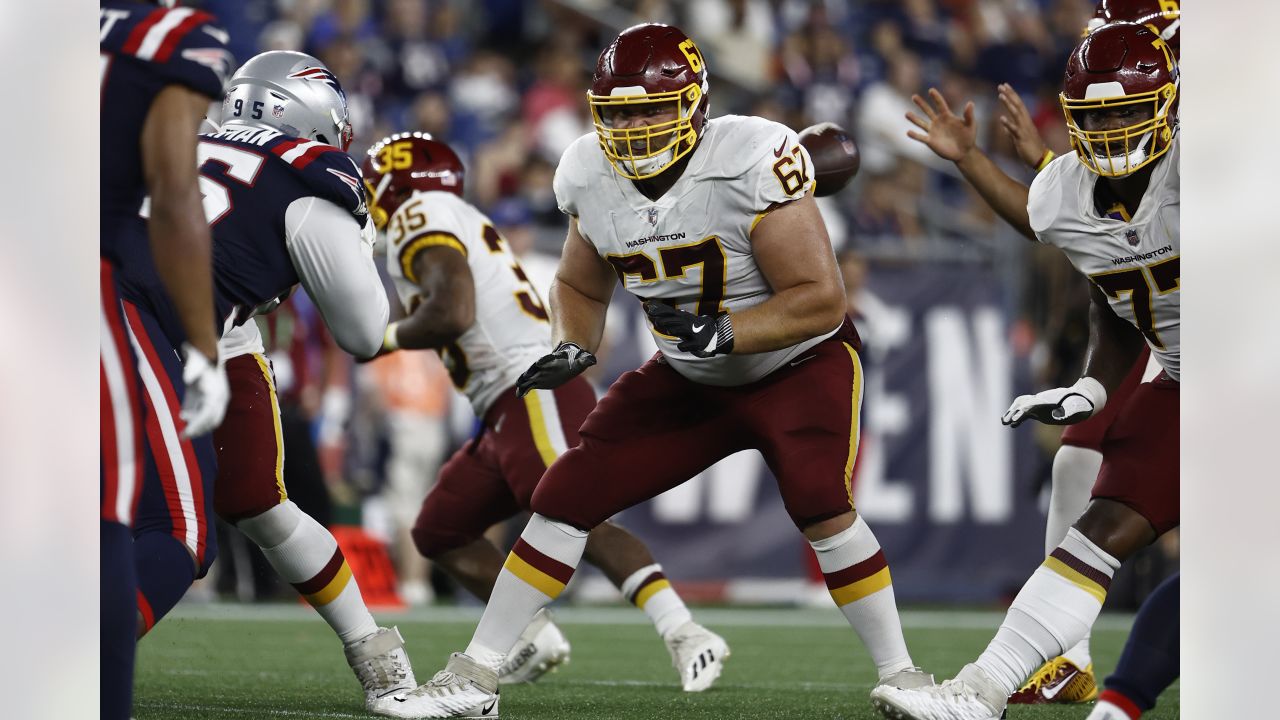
182	44
1045	196
745	142
573	172
327	172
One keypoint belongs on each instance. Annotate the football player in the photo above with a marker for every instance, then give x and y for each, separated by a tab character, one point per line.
288	209
1120	100
711	223
160	68
468	298
1068	678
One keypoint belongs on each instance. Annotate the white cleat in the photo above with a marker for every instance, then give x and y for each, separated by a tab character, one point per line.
541	649
970	696
698	655
382	667
1107	711
464	689
908	679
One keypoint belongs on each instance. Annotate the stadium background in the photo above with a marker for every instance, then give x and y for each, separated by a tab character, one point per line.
958	313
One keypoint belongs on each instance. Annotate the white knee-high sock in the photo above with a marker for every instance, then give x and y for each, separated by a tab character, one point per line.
1075	469
649	590
1052	612
858	578
305	554
535	573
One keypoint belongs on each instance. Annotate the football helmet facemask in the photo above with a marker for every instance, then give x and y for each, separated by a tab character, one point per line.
1121	67
649	71
399	164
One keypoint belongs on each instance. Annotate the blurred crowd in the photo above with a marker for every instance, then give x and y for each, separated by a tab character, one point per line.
504	81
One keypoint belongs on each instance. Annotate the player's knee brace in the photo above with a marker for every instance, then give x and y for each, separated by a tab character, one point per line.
270	528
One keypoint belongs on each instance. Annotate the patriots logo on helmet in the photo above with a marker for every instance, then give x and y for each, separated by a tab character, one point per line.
322	75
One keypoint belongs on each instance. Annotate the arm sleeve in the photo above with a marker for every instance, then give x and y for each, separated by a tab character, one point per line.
336	268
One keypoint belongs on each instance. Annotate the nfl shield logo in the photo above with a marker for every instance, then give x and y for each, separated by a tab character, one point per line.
1132	236
653	216
277	111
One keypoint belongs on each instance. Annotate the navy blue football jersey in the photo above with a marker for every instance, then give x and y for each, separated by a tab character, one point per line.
249	177
145	48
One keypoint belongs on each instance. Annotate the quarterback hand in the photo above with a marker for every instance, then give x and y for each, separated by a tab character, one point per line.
949	136
701	335
207	392
1059	406
1026	139
553	370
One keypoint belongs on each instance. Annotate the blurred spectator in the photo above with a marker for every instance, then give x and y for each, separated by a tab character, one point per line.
882	124
412	391
737	38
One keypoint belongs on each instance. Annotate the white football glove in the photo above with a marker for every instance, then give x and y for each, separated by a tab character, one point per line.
207	393
1059	406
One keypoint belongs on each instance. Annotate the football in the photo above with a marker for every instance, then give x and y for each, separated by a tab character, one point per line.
835	157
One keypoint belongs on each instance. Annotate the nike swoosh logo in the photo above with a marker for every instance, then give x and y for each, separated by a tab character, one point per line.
794	363
778	153
1052	690
489	708
698	328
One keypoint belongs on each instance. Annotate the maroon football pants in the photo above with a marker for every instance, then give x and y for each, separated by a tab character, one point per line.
655	429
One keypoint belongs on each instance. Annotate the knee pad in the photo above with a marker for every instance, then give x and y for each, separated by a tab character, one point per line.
270	528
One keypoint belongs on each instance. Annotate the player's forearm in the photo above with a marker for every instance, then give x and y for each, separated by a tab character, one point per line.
1006	196
789	317
576	317
180	245
432	325
1114	345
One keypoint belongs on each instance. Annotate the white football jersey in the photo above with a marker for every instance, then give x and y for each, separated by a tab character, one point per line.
693	244
1134	263
511	328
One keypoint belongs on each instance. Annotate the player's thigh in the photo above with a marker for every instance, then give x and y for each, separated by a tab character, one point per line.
650	432
470	495
249	442
529	434
1090	433
1140	466
177	487
804	418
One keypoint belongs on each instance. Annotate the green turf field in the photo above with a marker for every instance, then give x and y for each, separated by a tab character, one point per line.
230	661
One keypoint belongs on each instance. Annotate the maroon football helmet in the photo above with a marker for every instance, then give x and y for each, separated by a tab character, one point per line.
1127	69
649	71
399	164
1165	16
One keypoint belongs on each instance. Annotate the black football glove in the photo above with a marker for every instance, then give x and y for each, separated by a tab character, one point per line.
701	335
555	369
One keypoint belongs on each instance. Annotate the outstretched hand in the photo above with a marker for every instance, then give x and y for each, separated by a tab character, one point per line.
948	135
1017	122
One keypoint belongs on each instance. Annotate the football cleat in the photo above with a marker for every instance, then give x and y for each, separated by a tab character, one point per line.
382	667
1107	711
464	689
908	679
1057	681
698	655
970	696
541	649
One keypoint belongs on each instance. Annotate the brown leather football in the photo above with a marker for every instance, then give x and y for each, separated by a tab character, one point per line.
835	157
